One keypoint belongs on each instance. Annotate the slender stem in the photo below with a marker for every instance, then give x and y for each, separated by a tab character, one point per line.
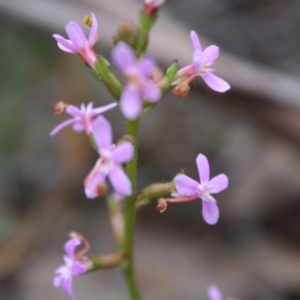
130	215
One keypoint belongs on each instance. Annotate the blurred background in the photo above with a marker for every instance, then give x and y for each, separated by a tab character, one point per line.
251	133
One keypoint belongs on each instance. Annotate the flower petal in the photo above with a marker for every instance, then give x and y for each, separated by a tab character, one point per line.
218	184
61	126
131	102
211	53
102	109
151	91
203	168
146	65
74	111
195	40
198	59
210	211
123	56
67	286
120	181
78	127
64	44
102	133
93	33
215	83
92	182
76	35
123	153
57	280
214	293
78	268
70	247
185	185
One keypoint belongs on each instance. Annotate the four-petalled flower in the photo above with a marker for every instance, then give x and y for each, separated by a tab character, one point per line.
111	157
78	43
201	66
72	267
83	117
188	187
139	84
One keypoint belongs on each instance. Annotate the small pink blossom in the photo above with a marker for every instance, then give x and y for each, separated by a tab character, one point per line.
78	43
191	189
139	84
108	165
201	66
73	267
83	117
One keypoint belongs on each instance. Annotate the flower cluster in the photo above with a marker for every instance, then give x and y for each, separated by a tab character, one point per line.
143	87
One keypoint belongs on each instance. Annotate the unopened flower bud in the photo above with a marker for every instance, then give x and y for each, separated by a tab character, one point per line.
181	90
151	6
127	32
59	107
161	205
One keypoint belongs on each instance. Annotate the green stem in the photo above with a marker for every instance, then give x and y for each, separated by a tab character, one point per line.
130	215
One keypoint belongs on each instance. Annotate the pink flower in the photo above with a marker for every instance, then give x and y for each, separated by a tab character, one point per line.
111	157
201	66
78	43
82	118
192	189
139	84
214	293
72	267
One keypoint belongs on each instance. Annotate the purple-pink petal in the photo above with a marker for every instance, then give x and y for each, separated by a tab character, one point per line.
203	168
70	247
78	268
102	133
76	35
123	56
93	180
102	109
215	83
74	111
120	181
122	153
146	65
195	40
218	184
64	44
185	185
78	127
131	102
214	293
198	59
67	286
94	29
210	211
152	91
61	126
211	53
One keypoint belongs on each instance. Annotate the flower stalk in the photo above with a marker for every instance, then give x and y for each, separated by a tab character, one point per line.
130	215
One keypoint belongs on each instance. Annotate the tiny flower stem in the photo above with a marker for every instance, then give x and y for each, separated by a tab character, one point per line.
180	199
130	215
154	192
146	23
111	82
105	261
